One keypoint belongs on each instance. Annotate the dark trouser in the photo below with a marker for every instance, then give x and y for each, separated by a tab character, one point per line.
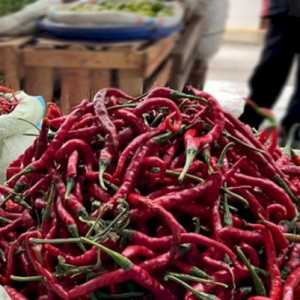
281	48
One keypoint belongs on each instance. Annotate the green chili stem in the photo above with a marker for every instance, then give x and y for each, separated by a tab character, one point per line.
69	187
187	176
281	182
5	220
187	277
227	214
191	153
238	141
198	294
119	259
288	146
295	238
26	278
200	273
157	120
258	283
236	196
223	154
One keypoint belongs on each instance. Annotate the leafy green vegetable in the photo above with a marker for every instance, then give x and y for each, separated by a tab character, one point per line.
148	8
10	6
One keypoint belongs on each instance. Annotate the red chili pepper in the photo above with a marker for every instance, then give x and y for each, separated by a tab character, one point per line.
51	282
86	134
104	118
53	111
42	140
82	147
189	195
88	258
66	218
99	194
13	248
251	253
131	120
76	207
271	188
71	172
137	251
37	187
132	172
53	147
233	235
168	218
152	103
132	148
104	162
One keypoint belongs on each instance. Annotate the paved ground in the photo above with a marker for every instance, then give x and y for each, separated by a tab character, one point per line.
229	73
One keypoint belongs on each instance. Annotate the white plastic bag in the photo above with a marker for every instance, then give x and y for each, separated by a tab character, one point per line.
229	95
13	126
63	15
24	20
3	294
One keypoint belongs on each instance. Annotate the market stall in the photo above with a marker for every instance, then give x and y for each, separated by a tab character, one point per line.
135	53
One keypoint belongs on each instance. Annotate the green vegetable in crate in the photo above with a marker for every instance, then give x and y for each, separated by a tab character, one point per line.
148	8
10	6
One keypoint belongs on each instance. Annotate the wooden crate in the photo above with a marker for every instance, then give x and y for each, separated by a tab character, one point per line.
77	69
185	54
10	65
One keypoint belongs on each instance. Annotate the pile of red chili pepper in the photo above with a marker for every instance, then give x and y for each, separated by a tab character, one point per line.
8	101
165	196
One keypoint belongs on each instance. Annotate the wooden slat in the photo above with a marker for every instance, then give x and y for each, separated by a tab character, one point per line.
163	76
131	82
188	43
100	79
52	43
81	59
75	86
10	56
39	82
156	54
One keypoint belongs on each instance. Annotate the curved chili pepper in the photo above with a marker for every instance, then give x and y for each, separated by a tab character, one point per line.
82	147
53	111
137	251
51	281
104	162
53	147
87	258
132	148
232	235
42	140
71	172
276	212
132	120
272	189
67	219
132	172
152	103
104	118
189	195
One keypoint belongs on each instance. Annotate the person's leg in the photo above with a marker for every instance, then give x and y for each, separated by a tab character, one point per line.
273	69
293	113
